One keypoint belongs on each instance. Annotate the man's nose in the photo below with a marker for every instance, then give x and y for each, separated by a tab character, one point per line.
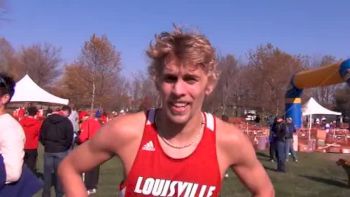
179	88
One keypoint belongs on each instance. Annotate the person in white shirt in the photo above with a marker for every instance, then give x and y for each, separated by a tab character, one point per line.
12	136
74	119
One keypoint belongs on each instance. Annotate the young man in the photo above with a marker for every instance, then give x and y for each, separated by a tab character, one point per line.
279	128
56	135
176	150
88	130
15	179
74	118
12	136
290	131
31	127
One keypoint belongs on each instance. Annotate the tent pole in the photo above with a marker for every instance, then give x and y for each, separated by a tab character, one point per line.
310	125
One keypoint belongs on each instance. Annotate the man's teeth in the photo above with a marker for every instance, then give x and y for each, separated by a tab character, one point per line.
179	104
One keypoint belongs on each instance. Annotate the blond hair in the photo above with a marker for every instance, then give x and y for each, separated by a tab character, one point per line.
190	48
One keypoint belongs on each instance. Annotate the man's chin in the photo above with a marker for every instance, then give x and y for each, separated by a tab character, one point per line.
178	118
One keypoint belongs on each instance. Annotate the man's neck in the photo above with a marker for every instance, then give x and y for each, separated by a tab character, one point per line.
2	109
169	129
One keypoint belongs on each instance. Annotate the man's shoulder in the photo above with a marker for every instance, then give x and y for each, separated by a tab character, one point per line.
227	133
232	143
10	126
122	133
127	125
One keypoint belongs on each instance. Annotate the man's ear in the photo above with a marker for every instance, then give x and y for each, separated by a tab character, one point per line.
157	82
210	87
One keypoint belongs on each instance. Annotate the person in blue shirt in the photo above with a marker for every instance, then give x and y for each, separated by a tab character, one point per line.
291	130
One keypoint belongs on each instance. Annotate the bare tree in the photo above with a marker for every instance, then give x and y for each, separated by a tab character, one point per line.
342	100
41	62
102	62
143	92
226	95
8	61
74	85
270	71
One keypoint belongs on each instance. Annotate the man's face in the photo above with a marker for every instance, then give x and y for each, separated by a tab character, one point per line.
4	99
65	113
182	89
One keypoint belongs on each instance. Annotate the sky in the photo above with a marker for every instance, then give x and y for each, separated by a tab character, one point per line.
309	27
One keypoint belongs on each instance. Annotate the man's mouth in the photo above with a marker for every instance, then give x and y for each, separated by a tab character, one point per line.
178	107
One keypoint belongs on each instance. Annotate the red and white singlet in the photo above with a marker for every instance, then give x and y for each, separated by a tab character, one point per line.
156	174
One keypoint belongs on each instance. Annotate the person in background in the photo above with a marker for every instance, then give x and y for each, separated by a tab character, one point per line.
104	118
257	119
99	112
15	178
74	119
21	112
88	129
290	131
12	136
272	140
48	112
82	114
31	127
280	130
56	135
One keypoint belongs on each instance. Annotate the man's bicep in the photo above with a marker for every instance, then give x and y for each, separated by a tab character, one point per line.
86	156
91	153
248	168
254	176
250	171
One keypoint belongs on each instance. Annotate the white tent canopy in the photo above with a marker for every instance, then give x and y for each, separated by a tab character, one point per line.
27	90
312	107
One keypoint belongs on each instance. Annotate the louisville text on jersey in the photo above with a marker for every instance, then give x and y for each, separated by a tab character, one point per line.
163	187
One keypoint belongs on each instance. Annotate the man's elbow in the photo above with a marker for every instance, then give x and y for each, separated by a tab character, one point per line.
268	191
62	168
13	175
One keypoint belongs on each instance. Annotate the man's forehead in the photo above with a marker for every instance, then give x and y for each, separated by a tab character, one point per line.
183	68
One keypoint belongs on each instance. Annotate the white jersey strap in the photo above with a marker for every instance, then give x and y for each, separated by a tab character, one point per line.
210	121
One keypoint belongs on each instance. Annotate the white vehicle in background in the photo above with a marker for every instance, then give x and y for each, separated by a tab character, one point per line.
249	115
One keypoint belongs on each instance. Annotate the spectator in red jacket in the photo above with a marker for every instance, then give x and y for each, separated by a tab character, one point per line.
31	127
88	129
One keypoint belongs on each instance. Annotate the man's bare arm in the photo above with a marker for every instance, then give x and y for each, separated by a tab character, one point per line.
114	138
251	172
82	158
237	152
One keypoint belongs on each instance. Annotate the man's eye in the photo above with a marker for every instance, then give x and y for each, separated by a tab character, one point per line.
191	80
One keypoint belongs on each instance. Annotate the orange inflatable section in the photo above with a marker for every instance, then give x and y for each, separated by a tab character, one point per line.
323	76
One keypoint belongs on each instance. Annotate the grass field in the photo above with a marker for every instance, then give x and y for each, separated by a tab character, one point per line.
316	174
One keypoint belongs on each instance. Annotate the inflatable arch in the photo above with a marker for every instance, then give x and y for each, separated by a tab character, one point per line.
323	76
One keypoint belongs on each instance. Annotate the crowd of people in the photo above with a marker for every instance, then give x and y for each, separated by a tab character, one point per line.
58	132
